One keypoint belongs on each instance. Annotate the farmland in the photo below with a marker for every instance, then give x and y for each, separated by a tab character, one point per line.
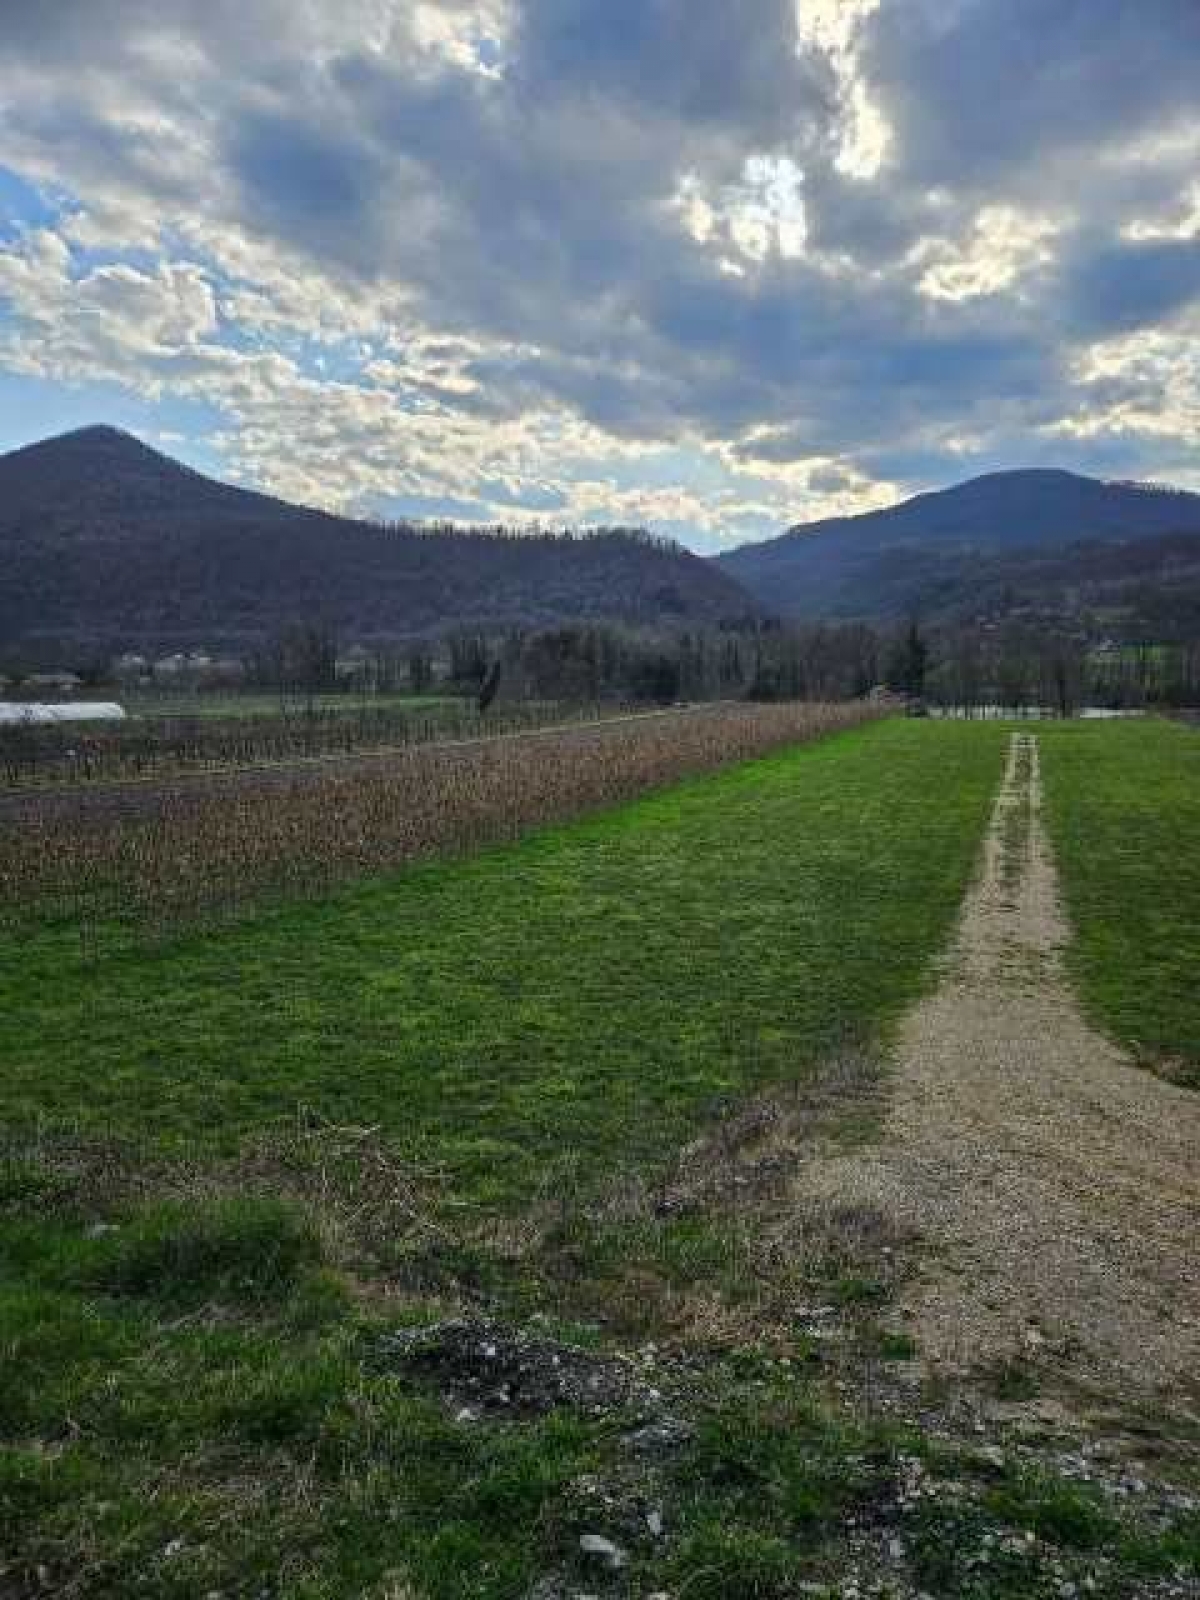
166	856
391	1228
163	738
256	704
469	1001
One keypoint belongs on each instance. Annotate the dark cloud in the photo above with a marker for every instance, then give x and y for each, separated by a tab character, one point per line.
1132	284
978	90
317	184
540	207
708	65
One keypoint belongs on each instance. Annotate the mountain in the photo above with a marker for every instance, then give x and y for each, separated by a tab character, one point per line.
931	554
1131	589
106	542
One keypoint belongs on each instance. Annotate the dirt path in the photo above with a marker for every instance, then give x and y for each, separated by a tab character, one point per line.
1056	1186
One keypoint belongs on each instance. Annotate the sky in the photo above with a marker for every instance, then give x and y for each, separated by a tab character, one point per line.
712	267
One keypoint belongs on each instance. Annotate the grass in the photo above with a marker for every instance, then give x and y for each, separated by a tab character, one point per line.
253	703
1124	814
588	1064
578	1001
247	1452
233	1246
263	1447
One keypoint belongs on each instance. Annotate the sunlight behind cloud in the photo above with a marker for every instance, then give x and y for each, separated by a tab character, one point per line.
1145	383
760	215
833	27
469	37
1002	247
457	252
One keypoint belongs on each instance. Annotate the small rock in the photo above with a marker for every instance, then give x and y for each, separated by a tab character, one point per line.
660	1437
595	1544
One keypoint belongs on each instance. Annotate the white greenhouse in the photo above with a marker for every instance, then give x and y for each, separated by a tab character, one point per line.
32	713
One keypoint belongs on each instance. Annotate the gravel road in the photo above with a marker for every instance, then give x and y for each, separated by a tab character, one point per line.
1055	1185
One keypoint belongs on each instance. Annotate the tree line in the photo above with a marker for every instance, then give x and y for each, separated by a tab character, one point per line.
1016	666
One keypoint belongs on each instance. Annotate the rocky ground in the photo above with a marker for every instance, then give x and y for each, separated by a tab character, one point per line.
995	1497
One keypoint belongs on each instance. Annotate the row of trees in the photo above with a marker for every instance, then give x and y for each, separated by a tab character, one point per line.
1025	666
599	662
1013	665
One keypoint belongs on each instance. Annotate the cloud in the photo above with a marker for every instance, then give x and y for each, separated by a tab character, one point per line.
1134	283
528	256
1003	246
988	93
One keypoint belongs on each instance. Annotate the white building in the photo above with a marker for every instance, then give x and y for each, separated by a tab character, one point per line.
39	714
58	682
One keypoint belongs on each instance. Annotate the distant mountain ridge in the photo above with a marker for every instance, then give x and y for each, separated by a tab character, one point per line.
923	552
105	540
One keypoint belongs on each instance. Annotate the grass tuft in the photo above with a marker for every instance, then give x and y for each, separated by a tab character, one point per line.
230	1247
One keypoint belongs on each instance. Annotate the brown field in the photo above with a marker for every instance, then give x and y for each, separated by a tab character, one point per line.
182	742
163	857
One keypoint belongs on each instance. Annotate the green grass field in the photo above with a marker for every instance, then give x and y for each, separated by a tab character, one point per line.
201	1292
586	994
1124	813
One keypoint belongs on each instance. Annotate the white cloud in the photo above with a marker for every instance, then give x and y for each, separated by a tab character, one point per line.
128	321
470	37
1182	221
758	215
1144	384
1003	247
863	133
510	253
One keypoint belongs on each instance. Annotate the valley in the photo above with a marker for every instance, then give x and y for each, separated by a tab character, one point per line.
599	800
